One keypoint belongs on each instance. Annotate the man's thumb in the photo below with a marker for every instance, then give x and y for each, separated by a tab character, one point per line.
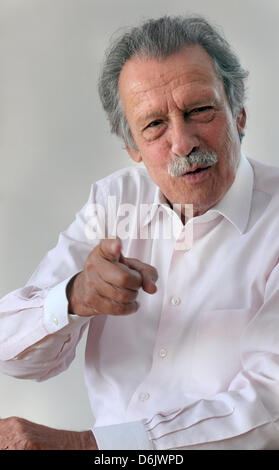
111	249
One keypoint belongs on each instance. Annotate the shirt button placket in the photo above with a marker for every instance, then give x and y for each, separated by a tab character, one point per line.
175	300
144	396
163	353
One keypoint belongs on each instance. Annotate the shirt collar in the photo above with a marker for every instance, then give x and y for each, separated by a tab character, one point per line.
234	206
159	200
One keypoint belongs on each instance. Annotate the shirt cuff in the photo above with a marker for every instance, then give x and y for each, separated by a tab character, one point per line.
56	307
124	436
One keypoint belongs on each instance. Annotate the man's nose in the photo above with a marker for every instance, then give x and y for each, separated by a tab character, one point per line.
183	138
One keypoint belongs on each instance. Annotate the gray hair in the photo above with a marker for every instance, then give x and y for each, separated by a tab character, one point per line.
159	38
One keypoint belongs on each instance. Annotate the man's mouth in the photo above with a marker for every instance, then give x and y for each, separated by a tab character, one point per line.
196	169
193	166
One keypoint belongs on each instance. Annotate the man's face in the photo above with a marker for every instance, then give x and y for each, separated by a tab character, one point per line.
175	107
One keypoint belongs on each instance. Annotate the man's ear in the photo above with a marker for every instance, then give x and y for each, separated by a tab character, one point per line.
134	154
241	121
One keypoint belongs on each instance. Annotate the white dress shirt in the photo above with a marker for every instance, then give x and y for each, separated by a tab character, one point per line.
197	366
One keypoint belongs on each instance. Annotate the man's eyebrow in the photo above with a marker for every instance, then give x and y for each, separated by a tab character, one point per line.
205	101
142	120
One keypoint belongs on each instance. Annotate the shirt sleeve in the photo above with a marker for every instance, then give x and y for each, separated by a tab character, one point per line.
245	416
128	436
38	337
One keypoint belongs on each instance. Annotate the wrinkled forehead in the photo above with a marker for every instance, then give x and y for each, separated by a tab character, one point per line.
190	69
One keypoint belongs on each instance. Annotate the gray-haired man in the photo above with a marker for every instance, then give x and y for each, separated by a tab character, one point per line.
182	349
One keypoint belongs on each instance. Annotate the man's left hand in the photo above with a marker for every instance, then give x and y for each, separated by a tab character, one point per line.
20	434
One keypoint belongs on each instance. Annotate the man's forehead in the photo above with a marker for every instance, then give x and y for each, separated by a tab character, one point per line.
191	61
190	72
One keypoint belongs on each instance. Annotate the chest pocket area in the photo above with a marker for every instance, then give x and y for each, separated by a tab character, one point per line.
217	354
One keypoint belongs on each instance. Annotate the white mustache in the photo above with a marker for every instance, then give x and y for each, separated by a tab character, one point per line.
182	164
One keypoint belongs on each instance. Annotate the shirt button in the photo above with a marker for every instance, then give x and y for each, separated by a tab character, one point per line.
163	352
144	396
175	300
55	320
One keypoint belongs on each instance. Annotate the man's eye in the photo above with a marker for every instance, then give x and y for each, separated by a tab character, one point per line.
202	114
154	129
154	124
201	110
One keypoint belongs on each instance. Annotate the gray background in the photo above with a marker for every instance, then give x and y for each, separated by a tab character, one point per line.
54	139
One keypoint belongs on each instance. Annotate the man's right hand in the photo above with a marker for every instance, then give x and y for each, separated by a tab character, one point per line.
110	282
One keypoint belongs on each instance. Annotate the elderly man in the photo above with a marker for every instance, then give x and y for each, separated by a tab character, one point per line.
183	330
